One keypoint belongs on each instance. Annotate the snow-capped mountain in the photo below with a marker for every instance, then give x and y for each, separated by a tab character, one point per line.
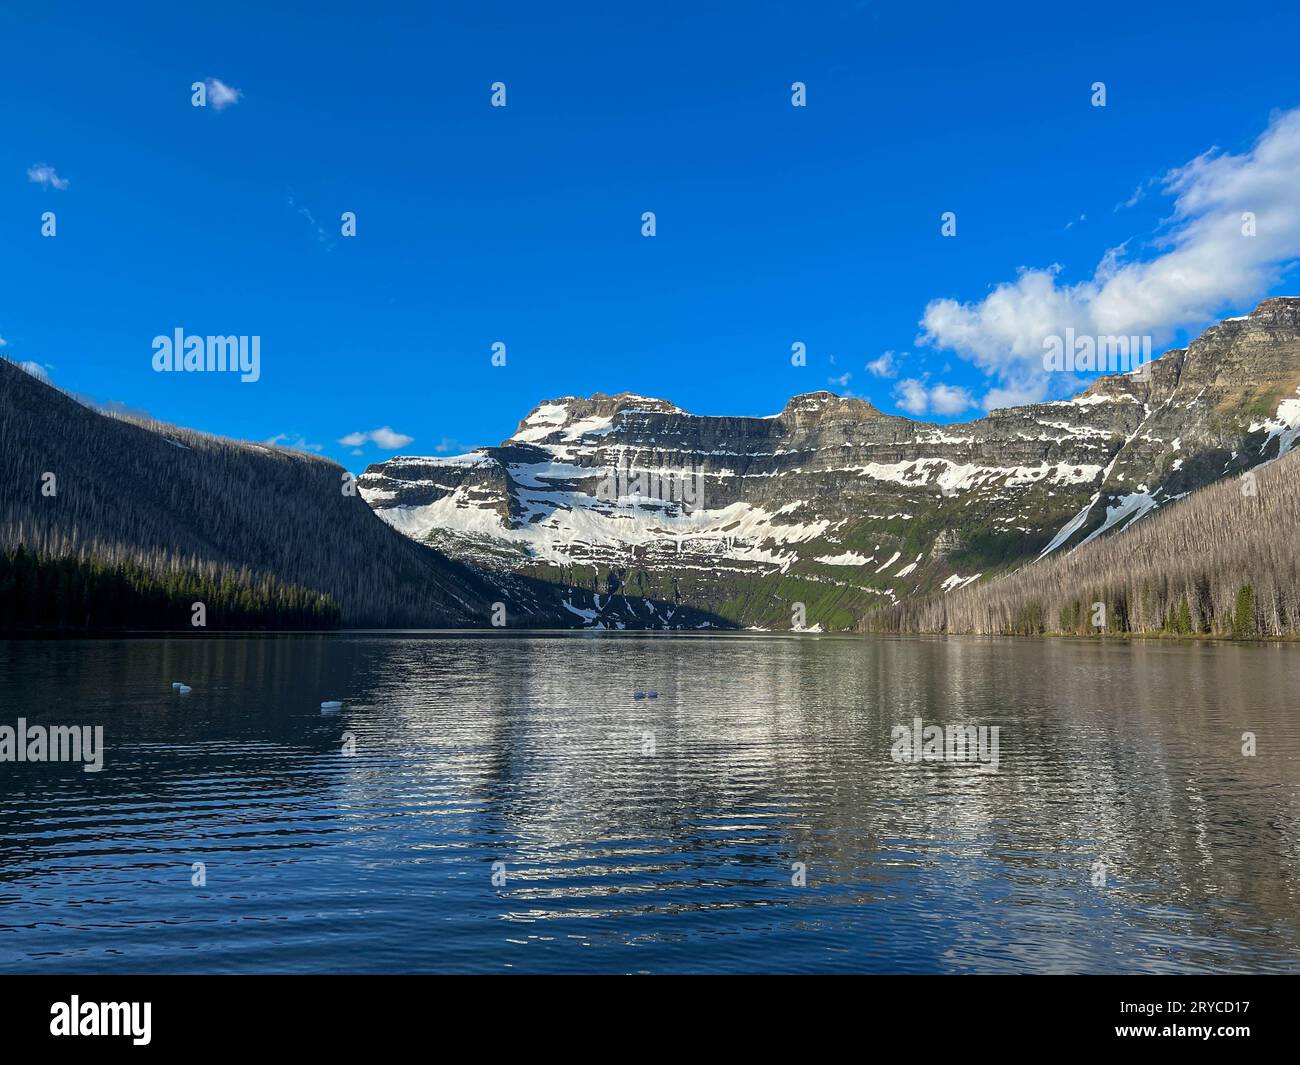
835	505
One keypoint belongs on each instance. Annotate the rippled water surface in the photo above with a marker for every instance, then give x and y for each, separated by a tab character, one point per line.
650	835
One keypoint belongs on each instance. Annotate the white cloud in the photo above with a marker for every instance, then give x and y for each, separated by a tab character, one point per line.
321	236
383	437
949	399
914	396
910	395
1138	194
45	175
1020	395
36	370
842	381
3	342
221	95
1206	266
293	440
448	443
885	366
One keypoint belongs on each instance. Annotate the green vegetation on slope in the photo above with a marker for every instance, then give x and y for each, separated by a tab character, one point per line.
38	592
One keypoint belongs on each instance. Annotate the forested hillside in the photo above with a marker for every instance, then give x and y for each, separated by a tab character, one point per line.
1225	561
76	483
70	594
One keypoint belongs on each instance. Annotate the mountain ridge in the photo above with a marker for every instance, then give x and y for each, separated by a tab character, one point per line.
836	505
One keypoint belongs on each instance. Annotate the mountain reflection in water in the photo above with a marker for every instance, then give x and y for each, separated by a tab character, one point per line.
651	835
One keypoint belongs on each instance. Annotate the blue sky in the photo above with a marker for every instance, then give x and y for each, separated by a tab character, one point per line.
522	224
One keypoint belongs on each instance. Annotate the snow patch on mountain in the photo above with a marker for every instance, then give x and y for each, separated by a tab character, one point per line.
1127	510
951	476
885	565
1285	426
557	525
848	558
909	567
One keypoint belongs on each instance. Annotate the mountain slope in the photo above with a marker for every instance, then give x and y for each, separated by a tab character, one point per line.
1223	561
834	505
1227	402
173	499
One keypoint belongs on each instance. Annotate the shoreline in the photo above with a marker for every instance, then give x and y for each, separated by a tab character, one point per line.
737	633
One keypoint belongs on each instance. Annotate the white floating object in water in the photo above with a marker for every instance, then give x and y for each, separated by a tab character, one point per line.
177	684
331	704
184	689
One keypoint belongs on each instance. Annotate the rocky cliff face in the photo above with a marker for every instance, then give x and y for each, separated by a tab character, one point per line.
834	505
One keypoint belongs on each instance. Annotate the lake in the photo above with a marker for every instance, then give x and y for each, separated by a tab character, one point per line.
505	802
